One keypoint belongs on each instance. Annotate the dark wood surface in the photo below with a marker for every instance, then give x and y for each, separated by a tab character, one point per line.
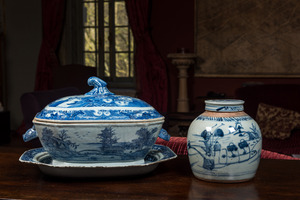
275	179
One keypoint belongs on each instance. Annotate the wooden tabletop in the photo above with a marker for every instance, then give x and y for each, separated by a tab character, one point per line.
275	179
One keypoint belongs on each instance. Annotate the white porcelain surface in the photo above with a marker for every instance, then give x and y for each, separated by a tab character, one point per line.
224	105
120	142
97	127
224	147
52	167
98	105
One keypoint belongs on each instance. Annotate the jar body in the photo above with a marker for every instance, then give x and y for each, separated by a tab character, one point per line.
224	146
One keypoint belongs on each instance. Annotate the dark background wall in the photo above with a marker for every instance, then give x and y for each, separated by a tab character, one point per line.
173	28
23	36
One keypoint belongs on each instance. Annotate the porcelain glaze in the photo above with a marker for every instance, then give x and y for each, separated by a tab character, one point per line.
97	127
224	143
98	104
49	166
120	142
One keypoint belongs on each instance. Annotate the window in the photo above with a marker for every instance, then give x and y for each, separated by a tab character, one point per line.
108	42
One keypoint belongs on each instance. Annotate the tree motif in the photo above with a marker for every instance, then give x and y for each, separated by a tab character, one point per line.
243	144
211	140
232	147
107	137
62	139
145	137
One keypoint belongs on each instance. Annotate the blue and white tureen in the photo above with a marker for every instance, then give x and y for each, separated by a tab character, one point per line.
97	127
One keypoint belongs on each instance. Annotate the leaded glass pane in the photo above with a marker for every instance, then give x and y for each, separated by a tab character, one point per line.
90	59
122	39
120	14
90	39
89	14
106	65
106	14
106	39
131	41
122	65
131	64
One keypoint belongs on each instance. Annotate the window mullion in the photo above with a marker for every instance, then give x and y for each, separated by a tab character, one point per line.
101	62
129	51
112	40
96	27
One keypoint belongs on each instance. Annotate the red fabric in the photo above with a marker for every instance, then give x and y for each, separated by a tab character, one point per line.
151	71
52	17
179	146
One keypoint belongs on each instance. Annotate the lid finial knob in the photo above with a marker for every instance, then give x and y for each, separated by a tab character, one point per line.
99	87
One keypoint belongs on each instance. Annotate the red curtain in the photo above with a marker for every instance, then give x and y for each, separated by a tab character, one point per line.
151	71
52	18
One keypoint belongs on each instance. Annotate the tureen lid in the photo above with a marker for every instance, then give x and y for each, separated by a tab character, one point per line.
98	104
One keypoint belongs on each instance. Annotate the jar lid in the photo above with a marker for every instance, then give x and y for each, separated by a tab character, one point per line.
224	105
98	104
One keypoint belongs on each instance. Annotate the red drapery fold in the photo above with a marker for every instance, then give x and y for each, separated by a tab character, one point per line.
151	71
52	18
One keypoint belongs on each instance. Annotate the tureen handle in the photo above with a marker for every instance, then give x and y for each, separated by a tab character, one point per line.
99	87
163	134
30	134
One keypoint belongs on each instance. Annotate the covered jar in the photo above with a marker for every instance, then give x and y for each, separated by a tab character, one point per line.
224	143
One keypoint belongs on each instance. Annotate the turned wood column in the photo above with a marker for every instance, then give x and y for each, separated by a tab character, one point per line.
182	62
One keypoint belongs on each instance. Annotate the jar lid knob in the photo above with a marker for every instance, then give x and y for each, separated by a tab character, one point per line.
99	87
